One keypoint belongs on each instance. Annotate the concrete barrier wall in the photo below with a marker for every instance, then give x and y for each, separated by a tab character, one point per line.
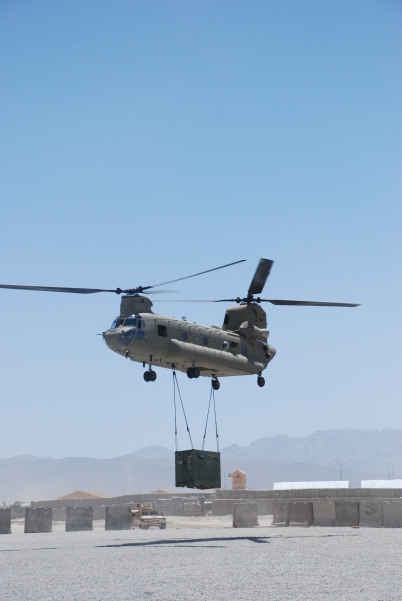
301	514
265	506
347	513
118	517
281	513
169	509
38	519
192	509
79	519
324	513
5	520
222	507
59	514
225	506
99	512
324	503
121	500
392	514
173	510
312	493
245	515
370	513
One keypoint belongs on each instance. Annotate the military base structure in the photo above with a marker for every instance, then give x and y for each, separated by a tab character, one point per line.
354	507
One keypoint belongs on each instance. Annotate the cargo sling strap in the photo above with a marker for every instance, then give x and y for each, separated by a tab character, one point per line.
175	383
211	396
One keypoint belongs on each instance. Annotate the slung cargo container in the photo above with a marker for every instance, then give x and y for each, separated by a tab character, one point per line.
198	469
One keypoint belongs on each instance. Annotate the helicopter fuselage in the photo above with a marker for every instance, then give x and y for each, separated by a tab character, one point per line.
239	347
159	340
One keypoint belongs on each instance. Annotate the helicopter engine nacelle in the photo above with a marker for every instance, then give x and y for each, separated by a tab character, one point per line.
252	332
253	313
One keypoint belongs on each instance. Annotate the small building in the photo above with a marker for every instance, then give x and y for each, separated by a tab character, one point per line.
238	480
311	485
381	484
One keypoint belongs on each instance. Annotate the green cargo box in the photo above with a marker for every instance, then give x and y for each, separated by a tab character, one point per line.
198	469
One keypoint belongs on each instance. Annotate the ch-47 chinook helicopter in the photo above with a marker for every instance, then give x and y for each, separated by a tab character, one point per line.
239	347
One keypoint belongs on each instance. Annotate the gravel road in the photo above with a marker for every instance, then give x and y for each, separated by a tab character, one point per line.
202	559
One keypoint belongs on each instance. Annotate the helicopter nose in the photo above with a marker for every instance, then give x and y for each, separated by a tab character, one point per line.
109	338
271	352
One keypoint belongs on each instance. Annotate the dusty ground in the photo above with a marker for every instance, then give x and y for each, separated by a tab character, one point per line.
202	558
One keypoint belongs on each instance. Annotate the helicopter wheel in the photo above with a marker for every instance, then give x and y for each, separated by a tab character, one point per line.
152	376
261	381
190	373
216	384
196	372
147	376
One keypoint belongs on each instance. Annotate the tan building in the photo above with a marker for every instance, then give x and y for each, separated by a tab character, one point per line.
238	480
81	494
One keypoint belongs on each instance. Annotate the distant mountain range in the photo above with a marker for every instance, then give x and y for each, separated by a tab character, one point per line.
151	452
356	449
363	455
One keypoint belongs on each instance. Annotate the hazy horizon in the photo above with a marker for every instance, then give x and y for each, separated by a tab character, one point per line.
222	449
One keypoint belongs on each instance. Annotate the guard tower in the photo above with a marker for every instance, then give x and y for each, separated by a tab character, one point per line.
238	480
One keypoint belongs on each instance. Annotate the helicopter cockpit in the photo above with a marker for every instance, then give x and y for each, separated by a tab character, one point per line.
133	321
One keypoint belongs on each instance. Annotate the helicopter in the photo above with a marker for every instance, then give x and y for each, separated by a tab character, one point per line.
238	347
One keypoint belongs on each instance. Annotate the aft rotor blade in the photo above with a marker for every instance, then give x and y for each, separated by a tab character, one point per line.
264	300
57	289
192	276
260	277
306	303
162	300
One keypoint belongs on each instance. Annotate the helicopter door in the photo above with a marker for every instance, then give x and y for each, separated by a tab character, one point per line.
160	340
173	329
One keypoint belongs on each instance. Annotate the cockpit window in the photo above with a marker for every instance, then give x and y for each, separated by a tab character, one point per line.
130	321
117	322
135	321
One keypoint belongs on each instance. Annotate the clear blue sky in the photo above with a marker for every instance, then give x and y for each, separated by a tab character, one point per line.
143	141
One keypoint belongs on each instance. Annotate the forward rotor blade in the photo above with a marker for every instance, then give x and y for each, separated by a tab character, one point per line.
161	292
192	276
306	303
57	289
137	290
76	290
260	276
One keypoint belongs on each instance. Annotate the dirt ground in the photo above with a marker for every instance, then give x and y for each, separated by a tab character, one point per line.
202	558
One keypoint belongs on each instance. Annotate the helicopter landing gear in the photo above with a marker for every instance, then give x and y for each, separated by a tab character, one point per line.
216	384
150	376
193	372
261	381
